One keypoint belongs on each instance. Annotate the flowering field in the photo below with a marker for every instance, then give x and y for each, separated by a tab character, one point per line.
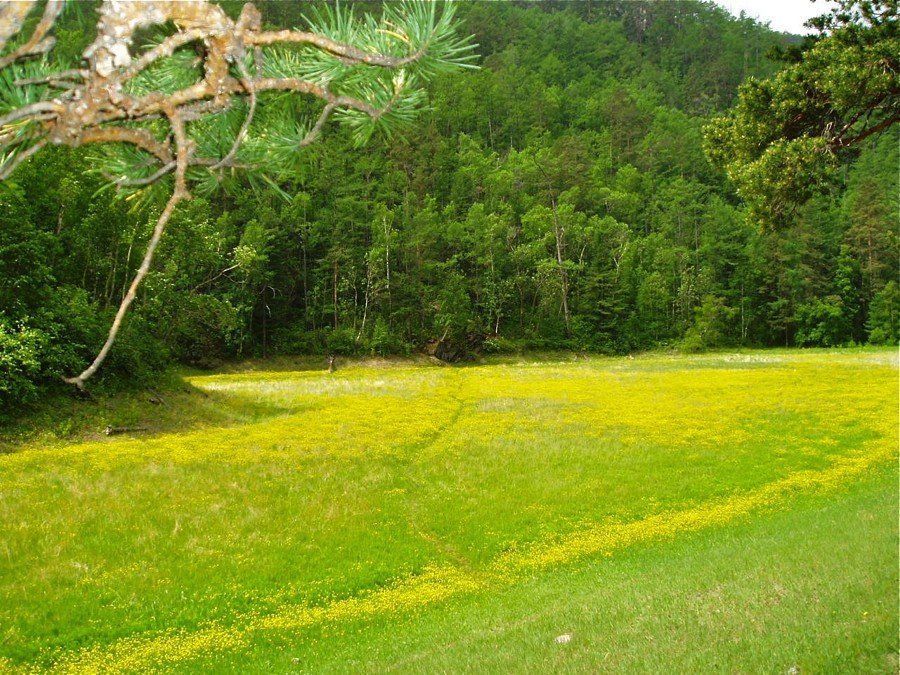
725	512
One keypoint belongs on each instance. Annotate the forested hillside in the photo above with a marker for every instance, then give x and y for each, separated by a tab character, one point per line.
558	197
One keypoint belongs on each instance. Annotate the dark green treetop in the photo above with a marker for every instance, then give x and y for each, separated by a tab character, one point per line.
787	134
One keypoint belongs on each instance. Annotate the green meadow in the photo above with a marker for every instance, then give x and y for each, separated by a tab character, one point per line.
722	512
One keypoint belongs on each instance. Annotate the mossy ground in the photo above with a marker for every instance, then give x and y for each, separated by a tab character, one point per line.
724	512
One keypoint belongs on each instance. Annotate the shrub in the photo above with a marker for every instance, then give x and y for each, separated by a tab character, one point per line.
822	323
77	327
710	325
341	342
497	344
383	342
21	363
201	329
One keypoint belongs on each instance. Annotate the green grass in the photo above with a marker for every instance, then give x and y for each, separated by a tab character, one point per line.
814	587
719	512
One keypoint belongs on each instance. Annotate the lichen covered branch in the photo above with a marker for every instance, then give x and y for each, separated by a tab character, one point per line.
11	17
178	194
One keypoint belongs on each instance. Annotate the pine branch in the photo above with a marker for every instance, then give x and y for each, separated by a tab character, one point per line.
120	100
39	42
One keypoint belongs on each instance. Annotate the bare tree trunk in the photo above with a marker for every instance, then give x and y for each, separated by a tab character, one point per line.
109	289
265	312
563	273
365	315
335	294
387	262
499	302
305	283
743	318
164	217
128	262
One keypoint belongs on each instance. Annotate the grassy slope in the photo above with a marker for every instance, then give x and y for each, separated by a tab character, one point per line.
813	587
480	501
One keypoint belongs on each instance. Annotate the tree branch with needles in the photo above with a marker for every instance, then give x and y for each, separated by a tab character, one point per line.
369	71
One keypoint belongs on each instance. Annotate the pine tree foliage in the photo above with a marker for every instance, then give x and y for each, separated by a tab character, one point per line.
787	135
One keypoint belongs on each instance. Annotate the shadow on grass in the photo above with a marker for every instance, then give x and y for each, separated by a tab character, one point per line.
172	405
273	364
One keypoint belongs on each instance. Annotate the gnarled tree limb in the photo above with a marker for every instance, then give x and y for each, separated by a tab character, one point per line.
39	41
96	105
179	193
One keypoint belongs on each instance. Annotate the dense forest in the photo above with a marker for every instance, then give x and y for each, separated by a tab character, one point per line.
557	197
